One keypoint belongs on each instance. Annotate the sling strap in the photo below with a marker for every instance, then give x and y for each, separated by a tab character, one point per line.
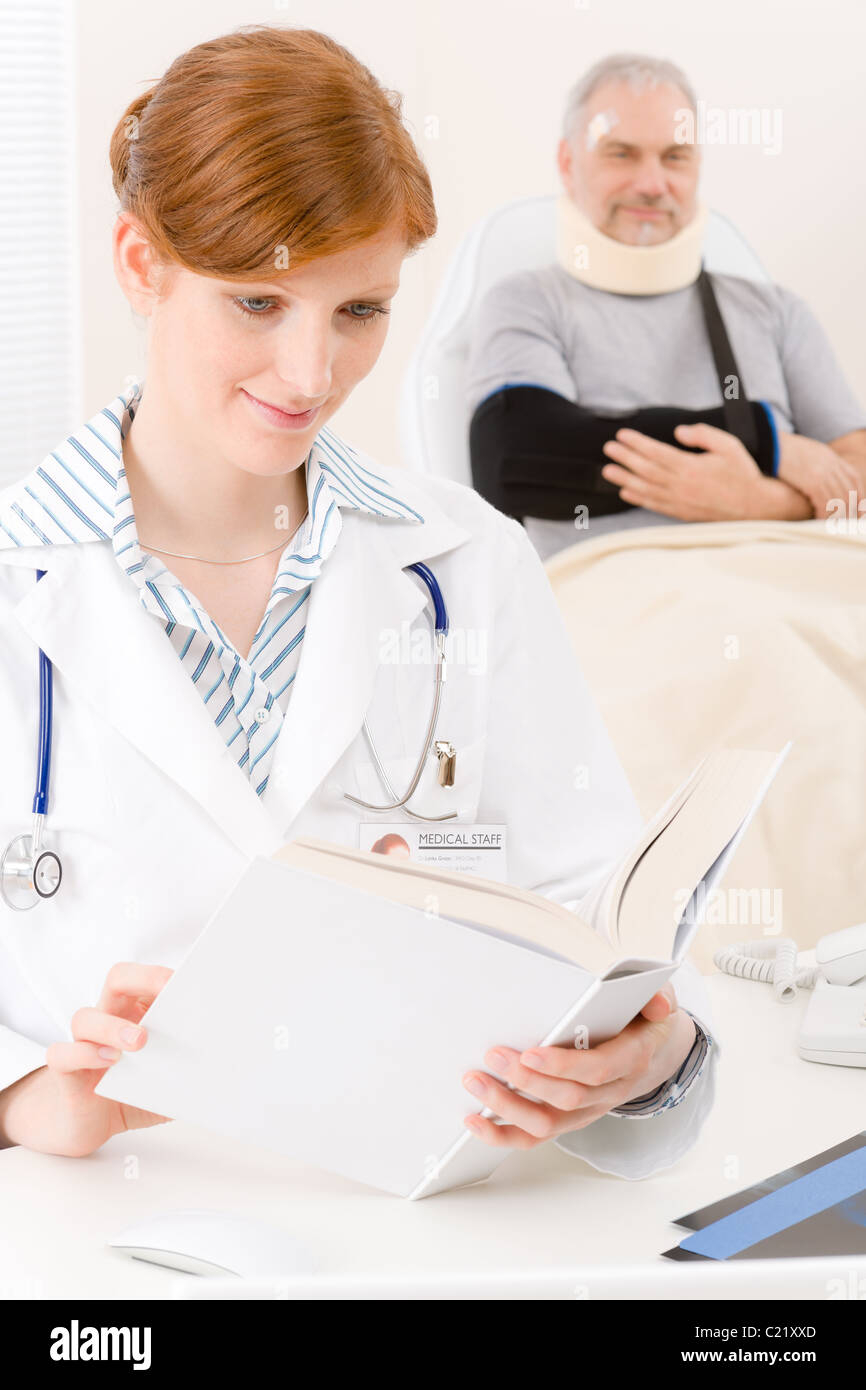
739	416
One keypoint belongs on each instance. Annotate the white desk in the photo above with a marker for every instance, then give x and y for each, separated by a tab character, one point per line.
541	1211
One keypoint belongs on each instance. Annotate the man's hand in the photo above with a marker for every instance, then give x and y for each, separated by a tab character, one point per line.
822	475
54	1109
723	483
572	1086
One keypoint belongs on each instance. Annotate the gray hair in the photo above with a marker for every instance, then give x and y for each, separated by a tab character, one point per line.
637	69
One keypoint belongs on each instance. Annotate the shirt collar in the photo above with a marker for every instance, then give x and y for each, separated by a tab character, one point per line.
79	493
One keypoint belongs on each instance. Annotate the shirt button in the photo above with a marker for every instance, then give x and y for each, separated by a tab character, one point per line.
261	715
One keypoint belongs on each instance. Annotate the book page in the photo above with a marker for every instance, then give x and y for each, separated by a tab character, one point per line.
696	908
528	917
658	892
609	912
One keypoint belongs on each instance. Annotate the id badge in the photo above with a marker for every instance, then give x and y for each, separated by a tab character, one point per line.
462	848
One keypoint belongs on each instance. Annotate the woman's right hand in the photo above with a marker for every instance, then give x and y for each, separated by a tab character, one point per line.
54	1109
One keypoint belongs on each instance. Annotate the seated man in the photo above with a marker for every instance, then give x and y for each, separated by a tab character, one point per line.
623	386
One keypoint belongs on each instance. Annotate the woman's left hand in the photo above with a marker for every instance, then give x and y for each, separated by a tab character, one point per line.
573	1086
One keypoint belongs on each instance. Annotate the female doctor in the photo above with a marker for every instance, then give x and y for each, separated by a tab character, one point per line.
225	599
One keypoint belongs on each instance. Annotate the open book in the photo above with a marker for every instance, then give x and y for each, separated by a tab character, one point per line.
336	997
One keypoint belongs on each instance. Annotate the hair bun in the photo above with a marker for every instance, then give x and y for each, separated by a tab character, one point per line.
123	139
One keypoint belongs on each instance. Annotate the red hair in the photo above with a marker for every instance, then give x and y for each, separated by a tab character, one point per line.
263	139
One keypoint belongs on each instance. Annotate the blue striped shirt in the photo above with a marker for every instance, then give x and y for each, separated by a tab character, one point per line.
79	493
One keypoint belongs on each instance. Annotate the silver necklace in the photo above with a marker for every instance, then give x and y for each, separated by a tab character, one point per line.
178	556
175	555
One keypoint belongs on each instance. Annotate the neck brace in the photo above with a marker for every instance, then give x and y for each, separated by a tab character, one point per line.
605	264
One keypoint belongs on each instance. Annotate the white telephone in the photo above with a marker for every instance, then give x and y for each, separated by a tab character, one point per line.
834	1025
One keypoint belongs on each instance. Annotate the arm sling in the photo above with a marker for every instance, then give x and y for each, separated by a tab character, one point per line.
535	453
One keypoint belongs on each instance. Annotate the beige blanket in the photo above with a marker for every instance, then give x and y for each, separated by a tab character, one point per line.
748	634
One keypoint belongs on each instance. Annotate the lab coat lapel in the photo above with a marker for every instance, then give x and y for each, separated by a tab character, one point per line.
89	621
361	596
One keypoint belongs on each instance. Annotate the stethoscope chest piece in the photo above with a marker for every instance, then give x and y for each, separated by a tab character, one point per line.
24	883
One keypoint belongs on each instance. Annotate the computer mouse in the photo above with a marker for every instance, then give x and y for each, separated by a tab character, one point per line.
216	1243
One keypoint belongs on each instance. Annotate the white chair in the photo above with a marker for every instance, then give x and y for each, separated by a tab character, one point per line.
520	235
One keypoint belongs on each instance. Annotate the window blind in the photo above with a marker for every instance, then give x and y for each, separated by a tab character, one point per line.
40	366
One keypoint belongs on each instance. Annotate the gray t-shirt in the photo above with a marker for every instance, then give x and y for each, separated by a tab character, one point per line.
617	352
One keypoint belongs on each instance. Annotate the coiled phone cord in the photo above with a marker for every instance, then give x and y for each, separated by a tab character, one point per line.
774	962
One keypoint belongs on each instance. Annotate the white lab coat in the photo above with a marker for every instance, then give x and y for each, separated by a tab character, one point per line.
154	821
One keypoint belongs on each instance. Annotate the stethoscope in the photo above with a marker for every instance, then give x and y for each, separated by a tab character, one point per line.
30	874
445	751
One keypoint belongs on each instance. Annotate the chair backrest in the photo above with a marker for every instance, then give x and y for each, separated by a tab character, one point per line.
520	235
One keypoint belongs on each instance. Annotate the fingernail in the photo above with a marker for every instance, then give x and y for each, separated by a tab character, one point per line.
497	1060
476	1087
110	1054
130	1035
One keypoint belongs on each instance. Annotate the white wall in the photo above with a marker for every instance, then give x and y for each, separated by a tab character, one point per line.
493	75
